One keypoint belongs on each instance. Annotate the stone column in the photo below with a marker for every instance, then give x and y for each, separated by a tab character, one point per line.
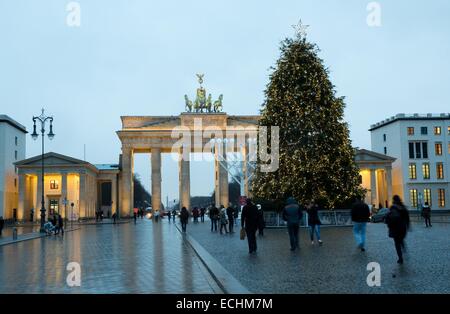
244	171
185	184
64	210
156	178
82	196
113	195
38	203
389	184
373	187
127	183
223	179
22	197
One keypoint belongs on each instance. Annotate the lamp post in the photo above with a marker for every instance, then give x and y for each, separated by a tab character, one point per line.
42	119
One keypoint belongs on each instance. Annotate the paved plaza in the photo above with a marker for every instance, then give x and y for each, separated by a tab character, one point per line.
126	258
337	266
156	258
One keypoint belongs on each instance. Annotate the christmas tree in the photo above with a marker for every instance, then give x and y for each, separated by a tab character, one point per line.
316	156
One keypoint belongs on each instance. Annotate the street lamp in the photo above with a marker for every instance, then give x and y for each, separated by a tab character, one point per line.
43	119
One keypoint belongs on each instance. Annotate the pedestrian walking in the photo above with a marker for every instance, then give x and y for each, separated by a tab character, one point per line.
360	216
213	216
169	215
249	221
2	224
292	214
135	212
184	218
114	216
261	221
196	214
426	214
230	215
223	219
174	214
397	220
202	214
314	221
60	224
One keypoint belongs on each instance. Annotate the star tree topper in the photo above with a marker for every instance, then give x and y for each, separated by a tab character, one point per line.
300	29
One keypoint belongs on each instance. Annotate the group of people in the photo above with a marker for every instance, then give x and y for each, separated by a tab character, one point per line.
199	213
55	224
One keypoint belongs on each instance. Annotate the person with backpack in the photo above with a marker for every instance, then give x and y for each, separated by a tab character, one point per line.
292	214
397	220
223	219
360	216
184	218
426	214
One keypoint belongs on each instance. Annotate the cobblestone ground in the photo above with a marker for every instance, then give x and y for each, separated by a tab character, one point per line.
337	266
127	258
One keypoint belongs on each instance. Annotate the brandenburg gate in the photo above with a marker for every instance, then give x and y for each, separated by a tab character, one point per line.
203	128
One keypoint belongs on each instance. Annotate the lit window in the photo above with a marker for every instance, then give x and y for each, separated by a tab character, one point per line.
438	149
441	197
448	130
440	170
426	171
437	130
412	171
424	130
427	196
449	147
54	184
413	197
410	130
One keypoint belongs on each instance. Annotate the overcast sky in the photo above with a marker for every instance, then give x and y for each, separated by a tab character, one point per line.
139	57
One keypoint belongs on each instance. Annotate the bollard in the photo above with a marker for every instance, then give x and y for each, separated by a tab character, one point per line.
14	233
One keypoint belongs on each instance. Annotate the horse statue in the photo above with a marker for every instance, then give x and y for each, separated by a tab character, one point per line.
218	104
208	103
200	101
189	104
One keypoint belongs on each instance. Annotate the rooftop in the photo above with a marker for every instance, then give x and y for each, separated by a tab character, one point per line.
107	166
12	122
410	116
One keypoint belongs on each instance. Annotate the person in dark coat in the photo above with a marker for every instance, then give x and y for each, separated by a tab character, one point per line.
314	221
230	215
249	221
169	215
202	214
261	222
2	224
214	216
196	214
397	220
60	224
360	217
184	218
426	213
114	216
292	214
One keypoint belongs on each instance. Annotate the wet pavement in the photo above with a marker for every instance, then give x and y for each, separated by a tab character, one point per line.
126	258
337	266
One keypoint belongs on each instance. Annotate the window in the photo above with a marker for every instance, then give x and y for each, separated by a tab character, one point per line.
54	184
440	170
424	130
427	196
448	130
438	149
425	149
15	154
437	130
16	140
385	150
15	182
412	171
426	171
410	130
449	147
384	137
418	150
441	197
413	197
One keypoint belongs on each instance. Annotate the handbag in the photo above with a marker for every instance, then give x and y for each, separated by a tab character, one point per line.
242	234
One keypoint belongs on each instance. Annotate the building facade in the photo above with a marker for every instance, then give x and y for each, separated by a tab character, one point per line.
67	181
421	145
12	149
